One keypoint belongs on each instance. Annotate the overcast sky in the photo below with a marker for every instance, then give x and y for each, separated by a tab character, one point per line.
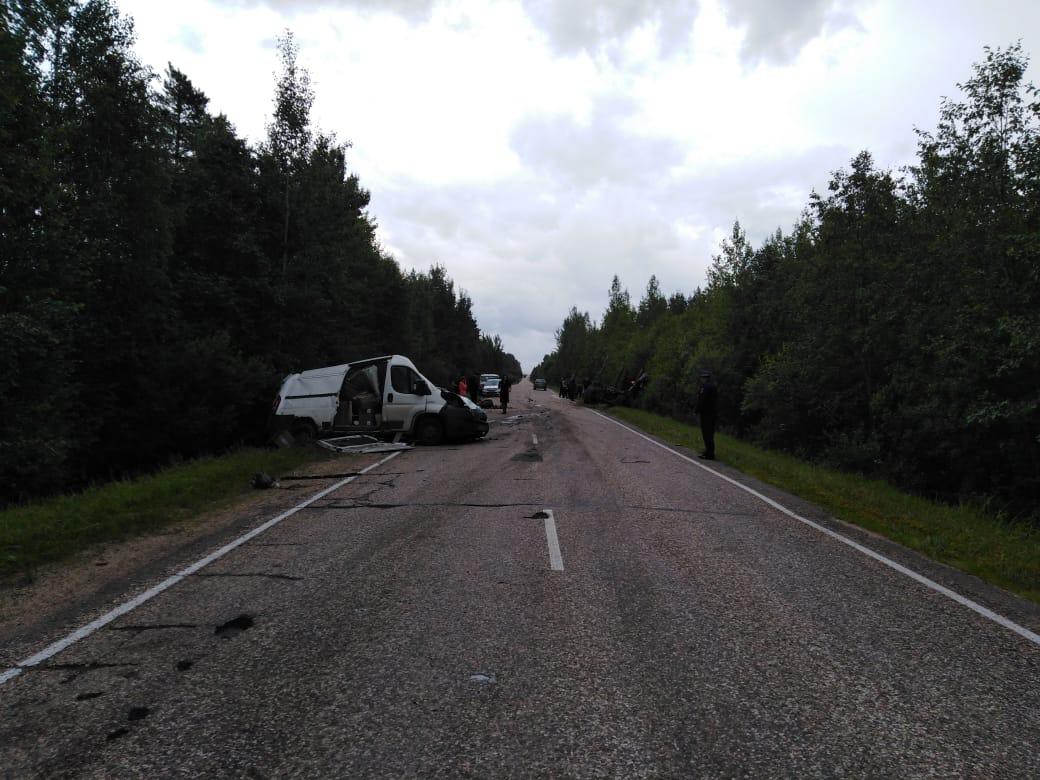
537	148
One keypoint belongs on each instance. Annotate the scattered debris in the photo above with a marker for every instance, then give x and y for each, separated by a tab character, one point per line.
511	420
262	481
538	516
483	678
89	695
234	626
138	713
185	665
284	439
633	460
362	443
290	477
122	731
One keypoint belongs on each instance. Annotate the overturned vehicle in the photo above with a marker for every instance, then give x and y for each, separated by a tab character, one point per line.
384	396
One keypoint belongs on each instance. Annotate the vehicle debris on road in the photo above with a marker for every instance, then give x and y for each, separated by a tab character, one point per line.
362	444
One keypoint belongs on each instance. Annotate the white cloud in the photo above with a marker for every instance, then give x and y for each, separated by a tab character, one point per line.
413	10
536	149
601	149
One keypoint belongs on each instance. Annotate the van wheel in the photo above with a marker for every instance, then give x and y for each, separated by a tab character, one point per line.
304	434
429	431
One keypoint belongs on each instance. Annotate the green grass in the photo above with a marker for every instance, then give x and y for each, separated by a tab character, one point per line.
966	537
51	530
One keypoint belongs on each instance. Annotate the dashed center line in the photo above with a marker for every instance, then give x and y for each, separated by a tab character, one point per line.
555	557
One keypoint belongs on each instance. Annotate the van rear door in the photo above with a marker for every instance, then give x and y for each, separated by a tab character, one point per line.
360	404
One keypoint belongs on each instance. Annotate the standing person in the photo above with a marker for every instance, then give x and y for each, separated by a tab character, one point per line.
473	384
463	386
503	392
707	409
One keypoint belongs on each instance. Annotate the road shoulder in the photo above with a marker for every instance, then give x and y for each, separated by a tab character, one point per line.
1009	605
65	595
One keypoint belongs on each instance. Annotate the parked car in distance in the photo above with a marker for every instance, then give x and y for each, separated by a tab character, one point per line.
485	378
490	388
539	384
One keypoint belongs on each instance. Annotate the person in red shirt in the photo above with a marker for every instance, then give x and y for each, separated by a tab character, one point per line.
463	387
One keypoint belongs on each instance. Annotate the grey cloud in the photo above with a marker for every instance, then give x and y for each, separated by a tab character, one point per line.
601	150
764	194
777	30
590	25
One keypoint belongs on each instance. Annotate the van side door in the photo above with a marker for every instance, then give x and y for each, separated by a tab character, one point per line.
401	403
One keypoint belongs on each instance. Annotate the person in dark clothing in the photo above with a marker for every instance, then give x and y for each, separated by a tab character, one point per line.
503	392
707	410
473	385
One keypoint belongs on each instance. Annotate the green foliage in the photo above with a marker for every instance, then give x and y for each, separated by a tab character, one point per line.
159	276
48	530
894	331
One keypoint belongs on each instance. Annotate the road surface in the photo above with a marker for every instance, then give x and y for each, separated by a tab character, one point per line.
564	599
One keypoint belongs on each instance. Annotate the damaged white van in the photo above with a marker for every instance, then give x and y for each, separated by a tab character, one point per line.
382	396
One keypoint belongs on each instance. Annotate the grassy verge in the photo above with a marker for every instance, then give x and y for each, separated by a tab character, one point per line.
966	537
50	530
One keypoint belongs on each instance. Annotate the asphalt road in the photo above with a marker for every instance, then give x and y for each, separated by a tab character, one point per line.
415	623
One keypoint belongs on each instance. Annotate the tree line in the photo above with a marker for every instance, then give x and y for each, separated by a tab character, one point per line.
894	330
159	274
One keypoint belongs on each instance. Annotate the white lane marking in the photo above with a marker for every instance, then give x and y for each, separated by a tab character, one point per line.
534	438
974	606
169	582
555	558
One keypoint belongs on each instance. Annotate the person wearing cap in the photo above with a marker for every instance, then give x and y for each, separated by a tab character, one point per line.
707	409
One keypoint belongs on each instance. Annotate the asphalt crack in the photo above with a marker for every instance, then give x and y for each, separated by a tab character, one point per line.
154	627
531	456
89	666
373	505
248	574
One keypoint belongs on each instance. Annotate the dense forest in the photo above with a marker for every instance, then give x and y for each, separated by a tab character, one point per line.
159	275
894	331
